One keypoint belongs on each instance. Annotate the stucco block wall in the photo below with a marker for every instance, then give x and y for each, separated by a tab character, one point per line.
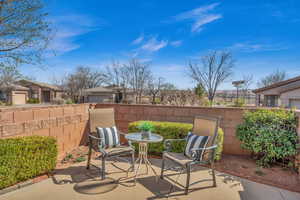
67	123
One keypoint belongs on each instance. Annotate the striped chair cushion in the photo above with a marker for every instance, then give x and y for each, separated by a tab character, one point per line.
110	136
195	141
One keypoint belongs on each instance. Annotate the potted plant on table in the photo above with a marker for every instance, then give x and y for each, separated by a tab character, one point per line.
146	128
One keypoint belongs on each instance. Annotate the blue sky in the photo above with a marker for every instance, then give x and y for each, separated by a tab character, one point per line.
263	35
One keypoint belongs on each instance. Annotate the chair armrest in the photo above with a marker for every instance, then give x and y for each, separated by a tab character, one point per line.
128	141
99	141
206	148
121	133
168	143
94	137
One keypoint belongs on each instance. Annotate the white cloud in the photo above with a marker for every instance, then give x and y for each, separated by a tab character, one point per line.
204	20
176	43
200	16
150	44
153	44
255	47
67	28
138	40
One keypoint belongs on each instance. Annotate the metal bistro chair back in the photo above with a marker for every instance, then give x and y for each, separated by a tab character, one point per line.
203	126
105	118
206	126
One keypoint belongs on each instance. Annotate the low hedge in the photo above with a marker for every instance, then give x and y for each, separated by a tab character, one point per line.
33	101
173	130
23	158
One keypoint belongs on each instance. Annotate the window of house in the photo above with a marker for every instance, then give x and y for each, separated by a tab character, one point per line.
271	100
34	94
3	96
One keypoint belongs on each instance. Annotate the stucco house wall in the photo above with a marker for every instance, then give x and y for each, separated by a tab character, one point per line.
287	96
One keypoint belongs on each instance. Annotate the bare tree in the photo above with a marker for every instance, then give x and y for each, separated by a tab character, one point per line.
113	73
9	74
154	87
139	74
272	78
248	81
83	78
166	89
24	31
216	68
118	75
180	97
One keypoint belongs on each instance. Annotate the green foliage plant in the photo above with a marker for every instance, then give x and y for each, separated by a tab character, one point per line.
23	158
80	159
69	101
146	126
240	102
33	101
270	135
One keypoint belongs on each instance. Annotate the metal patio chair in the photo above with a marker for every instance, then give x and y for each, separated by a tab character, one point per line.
104	118
203	126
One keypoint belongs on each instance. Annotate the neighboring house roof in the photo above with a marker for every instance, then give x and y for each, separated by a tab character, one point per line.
16	87
106	89
19	87
290	82
40	84
99	90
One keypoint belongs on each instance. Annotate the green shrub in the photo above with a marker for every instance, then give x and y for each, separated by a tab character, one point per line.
69	101
239	102
23	158
146	126
80	159
33	101
2	103
173	130
270	134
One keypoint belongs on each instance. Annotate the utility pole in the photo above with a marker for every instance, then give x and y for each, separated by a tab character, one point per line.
238	85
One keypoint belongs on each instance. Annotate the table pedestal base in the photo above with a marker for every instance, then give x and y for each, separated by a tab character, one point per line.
143	158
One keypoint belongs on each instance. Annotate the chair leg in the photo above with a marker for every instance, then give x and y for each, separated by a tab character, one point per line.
162	168
213	175
89	156
103	168
188	175
132	161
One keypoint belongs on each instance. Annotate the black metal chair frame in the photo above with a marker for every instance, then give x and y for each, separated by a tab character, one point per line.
211	150
97	144
104	155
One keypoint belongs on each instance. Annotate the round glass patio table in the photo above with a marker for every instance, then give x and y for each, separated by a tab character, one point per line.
143	150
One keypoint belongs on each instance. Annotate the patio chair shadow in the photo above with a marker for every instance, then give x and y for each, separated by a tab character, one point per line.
85	181
77	174
166	188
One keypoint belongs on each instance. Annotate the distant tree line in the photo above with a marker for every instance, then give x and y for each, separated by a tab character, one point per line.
134	76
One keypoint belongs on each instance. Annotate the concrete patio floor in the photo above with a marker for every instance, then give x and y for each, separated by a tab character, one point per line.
64	186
